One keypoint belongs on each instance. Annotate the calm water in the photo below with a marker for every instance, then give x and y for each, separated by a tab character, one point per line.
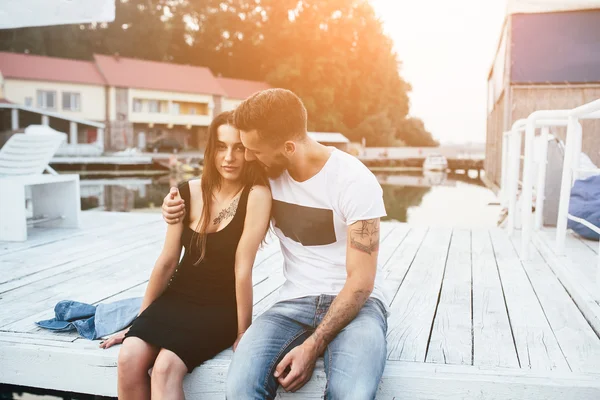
432	199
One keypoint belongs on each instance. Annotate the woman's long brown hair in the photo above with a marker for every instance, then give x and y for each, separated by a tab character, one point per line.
252	174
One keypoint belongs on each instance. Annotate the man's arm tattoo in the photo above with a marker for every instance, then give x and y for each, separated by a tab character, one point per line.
364	236
338	316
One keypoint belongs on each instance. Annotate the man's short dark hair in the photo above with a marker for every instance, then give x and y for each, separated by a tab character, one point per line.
277	115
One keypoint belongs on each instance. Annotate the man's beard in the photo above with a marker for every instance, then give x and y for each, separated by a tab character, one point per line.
279	165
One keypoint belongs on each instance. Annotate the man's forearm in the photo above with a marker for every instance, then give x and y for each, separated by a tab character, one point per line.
344	308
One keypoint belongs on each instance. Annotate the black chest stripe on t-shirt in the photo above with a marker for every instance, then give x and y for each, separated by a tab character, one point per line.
306	225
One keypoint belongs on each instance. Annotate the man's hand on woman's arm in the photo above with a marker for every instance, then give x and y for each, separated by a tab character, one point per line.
173	207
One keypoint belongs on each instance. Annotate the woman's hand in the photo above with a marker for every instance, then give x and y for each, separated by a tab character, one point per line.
235	344
117	338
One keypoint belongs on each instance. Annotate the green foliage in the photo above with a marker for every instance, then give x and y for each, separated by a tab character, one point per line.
333	54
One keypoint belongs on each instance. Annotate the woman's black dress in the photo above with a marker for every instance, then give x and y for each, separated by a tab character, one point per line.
196	316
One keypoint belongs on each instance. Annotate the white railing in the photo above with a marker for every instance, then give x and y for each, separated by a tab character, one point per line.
511	159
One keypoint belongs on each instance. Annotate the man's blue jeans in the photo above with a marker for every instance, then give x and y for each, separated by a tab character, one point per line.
354	360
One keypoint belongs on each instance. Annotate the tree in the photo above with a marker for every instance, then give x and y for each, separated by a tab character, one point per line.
377	130
412	131
333	54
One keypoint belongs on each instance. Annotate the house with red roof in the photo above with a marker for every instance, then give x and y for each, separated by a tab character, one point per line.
140	101
236	90
72	87
150	100
67	94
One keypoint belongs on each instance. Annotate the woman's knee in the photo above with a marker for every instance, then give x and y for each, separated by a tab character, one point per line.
135	358
168	366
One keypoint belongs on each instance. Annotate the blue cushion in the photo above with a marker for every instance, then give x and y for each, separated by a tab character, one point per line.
585	204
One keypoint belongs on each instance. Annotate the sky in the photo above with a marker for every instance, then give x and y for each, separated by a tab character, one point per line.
446	48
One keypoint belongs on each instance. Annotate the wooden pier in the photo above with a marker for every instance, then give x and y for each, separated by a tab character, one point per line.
469	319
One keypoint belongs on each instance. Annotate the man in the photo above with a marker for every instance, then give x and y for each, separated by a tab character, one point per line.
326	210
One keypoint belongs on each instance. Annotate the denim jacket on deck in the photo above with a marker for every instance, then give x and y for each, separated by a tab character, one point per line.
93	322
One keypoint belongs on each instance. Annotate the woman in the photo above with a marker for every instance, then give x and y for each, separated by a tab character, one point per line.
198	307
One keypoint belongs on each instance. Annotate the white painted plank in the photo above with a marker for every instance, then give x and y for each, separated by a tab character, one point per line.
98	222
81	244
261	289
577	340
576	285
582	261
34	338
451	337
401	380
493	343
272	283
265	303
536	344
82	274
591	244
400	261
389	243
413	309
96	374
52	367
56	266
267	267
87	289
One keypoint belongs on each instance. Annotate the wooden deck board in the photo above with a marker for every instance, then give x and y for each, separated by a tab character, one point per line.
535	341
493	342
413	308
17	266
92	222
575	270
451	338
578	342
457	296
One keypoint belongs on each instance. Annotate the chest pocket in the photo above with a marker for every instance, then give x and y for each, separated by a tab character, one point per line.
306	225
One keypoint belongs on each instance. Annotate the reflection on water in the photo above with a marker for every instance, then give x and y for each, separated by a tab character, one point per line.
398	199
430	198
127	194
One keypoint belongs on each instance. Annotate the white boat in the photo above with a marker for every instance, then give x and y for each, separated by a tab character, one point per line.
435	162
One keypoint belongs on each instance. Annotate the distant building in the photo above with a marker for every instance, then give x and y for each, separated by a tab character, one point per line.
236	90
147	100
548	57
70	88
334	139
139	101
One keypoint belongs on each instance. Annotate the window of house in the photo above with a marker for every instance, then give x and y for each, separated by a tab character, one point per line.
71	101
29	101
193	110
137	105
204	108
153	106
175	108
46	99
164	107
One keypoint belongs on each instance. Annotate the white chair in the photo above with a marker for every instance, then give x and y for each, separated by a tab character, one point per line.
55	198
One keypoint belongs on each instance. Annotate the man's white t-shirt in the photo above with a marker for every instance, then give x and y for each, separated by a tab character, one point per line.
311	219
